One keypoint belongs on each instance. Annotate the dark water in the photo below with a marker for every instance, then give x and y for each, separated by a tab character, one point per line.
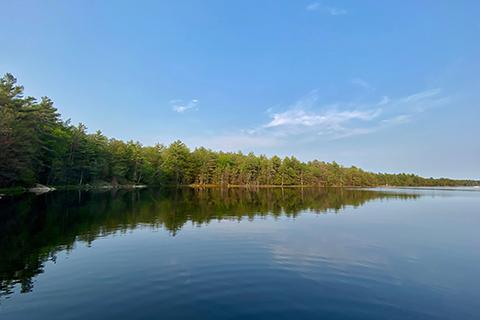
239	254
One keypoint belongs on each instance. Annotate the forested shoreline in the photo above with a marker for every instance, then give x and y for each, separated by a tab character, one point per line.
37	146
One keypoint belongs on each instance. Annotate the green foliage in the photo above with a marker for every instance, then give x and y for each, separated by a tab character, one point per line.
36	146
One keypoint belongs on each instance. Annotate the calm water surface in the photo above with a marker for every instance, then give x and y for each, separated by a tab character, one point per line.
239	254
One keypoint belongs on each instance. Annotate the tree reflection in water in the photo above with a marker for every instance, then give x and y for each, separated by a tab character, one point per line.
34	228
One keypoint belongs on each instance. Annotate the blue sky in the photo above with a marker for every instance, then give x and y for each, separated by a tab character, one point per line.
387	86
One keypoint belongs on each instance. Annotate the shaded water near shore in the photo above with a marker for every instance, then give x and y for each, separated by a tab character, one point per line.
240	254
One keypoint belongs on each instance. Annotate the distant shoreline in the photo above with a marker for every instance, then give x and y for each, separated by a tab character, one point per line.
439	188
22	190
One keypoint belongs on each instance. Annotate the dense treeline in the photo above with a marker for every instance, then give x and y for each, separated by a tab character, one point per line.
37	146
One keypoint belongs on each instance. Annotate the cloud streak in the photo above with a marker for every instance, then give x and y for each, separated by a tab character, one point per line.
342	120
329	119
181	106
309	121
333	11
422	95
359	82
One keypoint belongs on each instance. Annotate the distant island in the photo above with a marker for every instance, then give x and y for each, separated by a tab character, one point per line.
38	147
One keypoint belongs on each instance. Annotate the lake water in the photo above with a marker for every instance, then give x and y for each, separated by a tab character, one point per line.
240	254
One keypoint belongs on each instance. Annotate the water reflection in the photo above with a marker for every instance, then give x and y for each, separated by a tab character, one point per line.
33	229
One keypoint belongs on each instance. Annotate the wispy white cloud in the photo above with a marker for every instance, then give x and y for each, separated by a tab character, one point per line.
342	120
330	119
422	95
362	83
182	106
400	119
336	11
385	100
307	116
313	6
308	120
422	101
333	11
